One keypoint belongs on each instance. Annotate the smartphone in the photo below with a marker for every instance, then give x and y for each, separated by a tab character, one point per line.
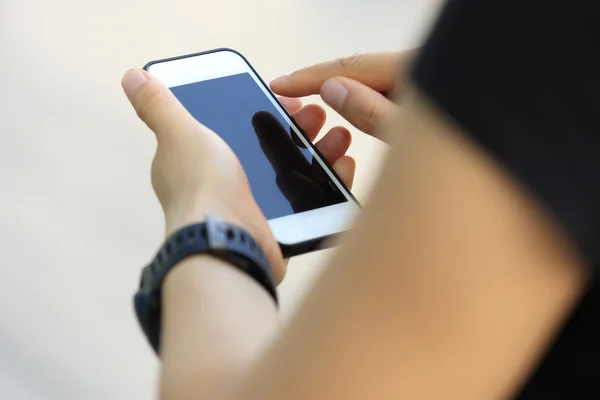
303	199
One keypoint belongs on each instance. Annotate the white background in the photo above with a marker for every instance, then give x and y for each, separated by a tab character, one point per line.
78	217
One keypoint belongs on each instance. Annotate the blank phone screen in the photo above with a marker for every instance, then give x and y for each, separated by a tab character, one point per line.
284	175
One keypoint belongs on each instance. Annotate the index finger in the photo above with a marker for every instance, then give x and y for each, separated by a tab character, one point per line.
376	70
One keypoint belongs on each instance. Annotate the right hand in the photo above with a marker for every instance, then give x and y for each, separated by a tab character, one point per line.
358	87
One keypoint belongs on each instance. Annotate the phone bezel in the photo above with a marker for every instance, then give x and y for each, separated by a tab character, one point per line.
301	244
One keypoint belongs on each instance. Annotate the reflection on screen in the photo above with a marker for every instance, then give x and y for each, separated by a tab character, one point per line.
284	176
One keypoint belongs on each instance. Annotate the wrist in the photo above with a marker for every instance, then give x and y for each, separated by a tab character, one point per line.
189	258
207	276
181	216
242	212
233	248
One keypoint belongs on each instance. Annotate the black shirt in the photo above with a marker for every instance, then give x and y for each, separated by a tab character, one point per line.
522	78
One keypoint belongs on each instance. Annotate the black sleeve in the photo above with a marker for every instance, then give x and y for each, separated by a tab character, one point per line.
522	78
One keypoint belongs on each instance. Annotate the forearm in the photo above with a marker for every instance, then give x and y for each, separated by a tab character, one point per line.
450	285
216	321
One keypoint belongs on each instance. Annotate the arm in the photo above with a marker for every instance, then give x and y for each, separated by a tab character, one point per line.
456	276
451	283
217	321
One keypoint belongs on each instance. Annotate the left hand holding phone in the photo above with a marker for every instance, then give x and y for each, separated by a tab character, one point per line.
194	172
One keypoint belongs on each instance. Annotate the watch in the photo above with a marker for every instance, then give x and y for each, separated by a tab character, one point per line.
213	236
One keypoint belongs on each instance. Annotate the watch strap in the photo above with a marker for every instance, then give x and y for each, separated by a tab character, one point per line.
222	240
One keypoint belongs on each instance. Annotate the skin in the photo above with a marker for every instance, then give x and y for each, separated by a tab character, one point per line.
451	284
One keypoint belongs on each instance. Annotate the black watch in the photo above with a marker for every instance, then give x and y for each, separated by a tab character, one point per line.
225	241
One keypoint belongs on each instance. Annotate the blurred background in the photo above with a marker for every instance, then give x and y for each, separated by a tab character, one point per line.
78	218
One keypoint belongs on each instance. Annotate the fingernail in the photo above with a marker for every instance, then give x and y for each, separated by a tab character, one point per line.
132	80
334	93
280	80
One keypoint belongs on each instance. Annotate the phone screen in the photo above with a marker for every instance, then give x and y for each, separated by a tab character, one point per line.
285	176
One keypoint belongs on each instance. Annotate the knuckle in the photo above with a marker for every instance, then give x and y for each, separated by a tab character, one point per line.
368	115
350	61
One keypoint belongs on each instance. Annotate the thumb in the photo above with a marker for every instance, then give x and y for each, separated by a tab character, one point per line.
156	105
360	105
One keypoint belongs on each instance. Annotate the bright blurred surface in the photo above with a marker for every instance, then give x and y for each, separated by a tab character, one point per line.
78	216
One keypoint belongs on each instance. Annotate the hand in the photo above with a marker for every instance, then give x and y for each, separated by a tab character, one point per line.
358	87
333	145
194	172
